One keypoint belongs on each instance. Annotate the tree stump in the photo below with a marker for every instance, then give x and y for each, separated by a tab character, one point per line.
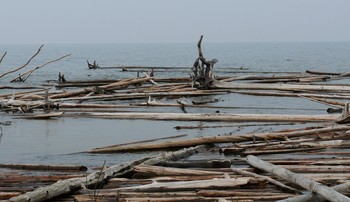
202	69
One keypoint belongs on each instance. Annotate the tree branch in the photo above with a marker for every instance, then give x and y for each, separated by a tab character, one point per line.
14	70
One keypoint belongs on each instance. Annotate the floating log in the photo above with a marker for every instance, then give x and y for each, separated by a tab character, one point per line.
220	139
44	116
342	188
217	117
191	185
298	179
197	164
44	167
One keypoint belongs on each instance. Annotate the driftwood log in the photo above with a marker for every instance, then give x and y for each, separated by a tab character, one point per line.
342	188
220	139
298	179
74	184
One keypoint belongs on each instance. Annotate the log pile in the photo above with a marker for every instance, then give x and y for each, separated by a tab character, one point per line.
269	157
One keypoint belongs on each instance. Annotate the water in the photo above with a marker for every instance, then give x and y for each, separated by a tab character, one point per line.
61	141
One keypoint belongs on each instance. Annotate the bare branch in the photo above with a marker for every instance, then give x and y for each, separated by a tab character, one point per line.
14	70
2	57
28	73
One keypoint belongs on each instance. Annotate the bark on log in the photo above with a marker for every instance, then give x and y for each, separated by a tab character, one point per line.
298	179
221	139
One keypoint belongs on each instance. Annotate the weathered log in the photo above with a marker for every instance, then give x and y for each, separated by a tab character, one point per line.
174	156
167	171
221	139
298	179
44	167
285	87
191	185
69	185
272	181
218	117
342	188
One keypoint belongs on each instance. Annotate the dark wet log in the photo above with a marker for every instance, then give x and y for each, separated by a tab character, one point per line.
298	179
44	167
322	73
197	164
94	65
222	139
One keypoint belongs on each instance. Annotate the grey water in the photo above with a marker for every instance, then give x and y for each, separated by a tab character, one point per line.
61	141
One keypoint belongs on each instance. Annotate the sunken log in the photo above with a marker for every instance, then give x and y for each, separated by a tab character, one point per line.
298	179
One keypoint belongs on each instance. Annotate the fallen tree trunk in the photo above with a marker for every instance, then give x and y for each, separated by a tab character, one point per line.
217	117
342	188
44	167
298	179
219	139
191	185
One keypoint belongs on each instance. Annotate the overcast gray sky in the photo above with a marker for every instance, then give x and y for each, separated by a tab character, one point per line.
134	21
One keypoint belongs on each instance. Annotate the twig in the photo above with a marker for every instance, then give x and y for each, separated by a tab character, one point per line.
28	73
14	70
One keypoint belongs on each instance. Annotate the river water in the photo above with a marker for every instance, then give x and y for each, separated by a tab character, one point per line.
61	141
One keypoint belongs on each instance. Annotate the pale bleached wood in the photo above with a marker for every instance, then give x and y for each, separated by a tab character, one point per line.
310	197
217	117
285	87
298	179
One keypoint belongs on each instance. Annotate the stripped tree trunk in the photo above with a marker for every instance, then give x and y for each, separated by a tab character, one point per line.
298	179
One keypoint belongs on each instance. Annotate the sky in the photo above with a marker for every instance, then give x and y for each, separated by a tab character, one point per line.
176	21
